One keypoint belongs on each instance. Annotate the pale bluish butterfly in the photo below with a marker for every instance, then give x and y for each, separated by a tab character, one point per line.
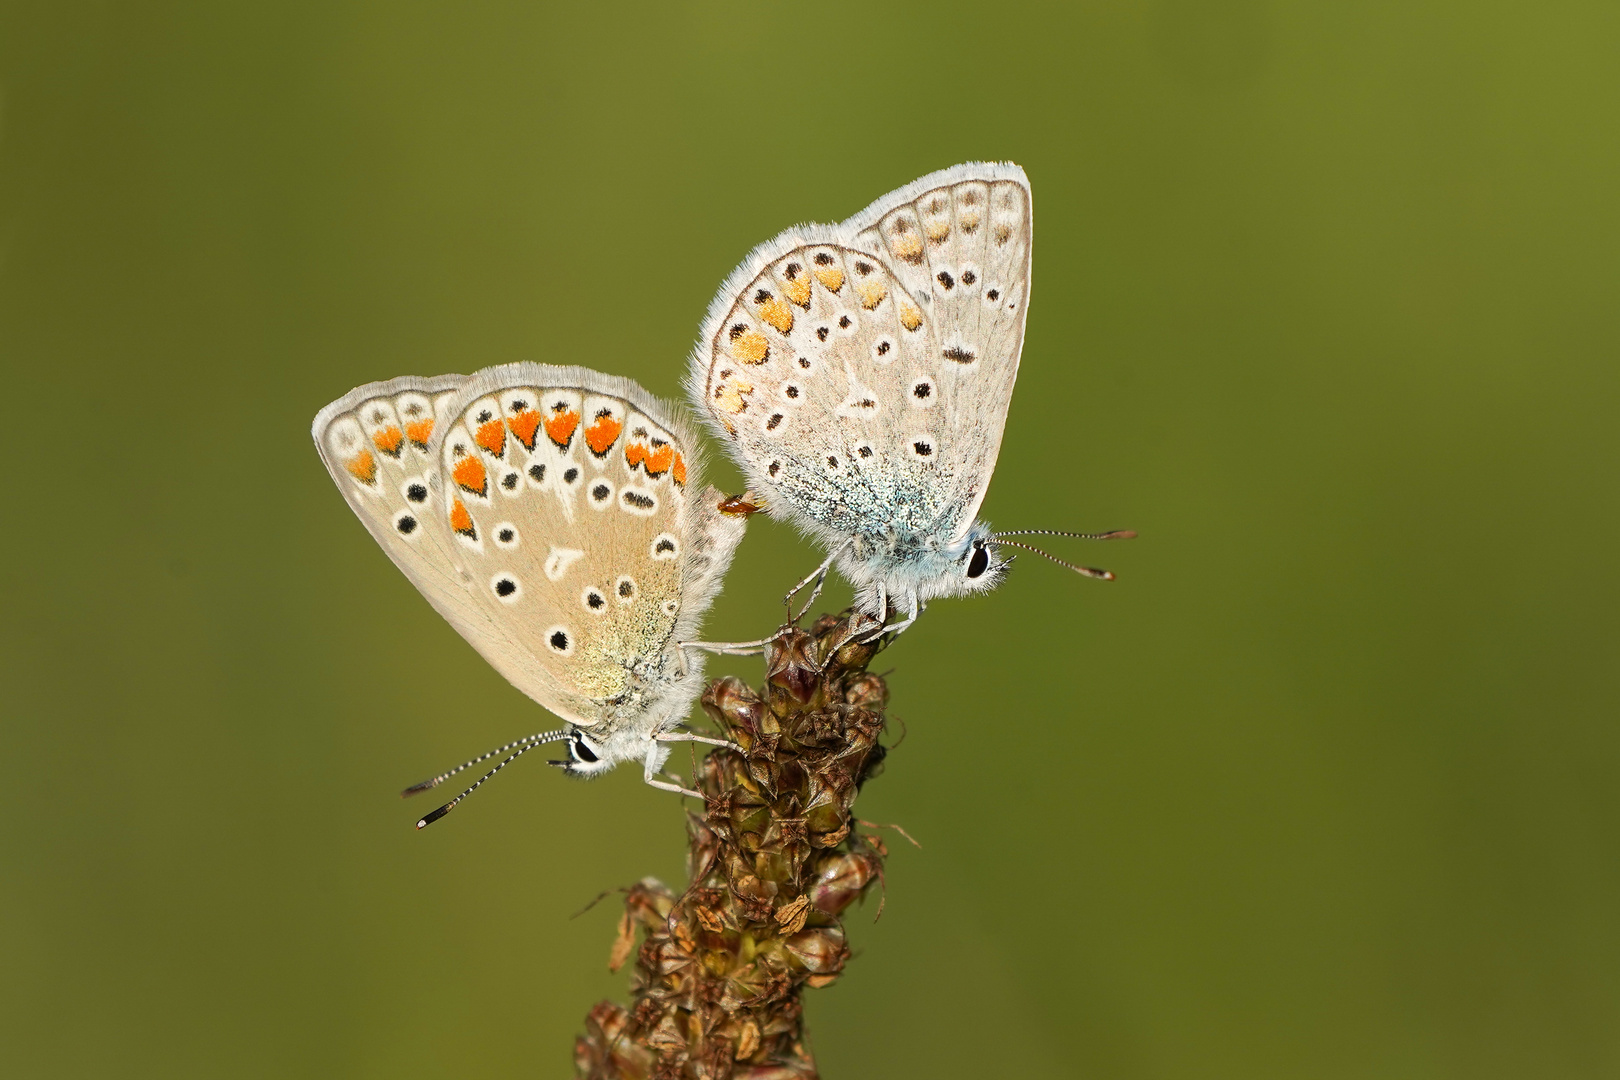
861	375
556	517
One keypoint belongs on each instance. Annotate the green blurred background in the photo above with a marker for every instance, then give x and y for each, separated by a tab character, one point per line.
1325	306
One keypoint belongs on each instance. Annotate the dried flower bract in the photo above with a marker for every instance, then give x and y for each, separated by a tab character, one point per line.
773	863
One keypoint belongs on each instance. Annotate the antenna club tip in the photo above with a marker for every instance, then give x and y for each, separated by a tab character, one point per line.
436	815
417	789
1121	534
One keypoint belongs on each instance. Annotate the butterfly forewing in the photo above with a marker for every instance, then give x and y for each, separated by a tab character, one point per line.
374	442
567	500
812	394
963	250
864	371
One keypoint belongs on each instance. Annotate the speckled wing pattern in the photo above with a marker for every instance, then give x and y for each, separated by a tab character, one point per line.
556	533
862	372
374	442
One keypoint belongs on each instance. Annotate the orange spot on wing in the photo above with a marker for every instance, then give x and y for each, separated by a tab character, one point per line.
492	437
469	473
729	397
907	247
603	433
635	453
363	467
831	277
560	427
461	521
872	294
910	317
751	347
523	425
388	440
659	459
798	290
679	472
419	432
777	314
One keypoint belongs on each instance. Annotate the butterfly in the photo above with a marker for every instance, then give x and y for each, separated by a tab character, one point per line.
860	375
556	518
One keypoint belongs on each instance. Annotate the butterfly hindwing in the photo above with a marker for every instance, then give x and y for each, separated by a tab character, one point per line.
863	371
566	493
375	442
812	394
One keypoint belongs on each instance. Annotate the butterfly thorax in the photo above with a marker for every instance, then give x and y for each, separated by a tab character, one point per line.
904	547
546	513
655	700
647	687
905	564
861	374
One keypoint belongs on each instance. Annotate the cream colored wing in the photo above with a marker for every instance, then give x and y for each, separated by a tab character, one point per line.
566	494
374	442
862	372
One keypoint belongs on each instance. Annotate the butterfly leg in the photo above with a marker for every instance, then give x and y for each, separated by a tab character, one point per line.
649	772
665	785
883	624
915	606
819	576
880	618
687	736
730	648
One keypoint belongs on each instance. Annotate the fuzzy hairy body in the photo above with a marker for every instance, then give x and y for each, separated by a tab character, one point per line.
775	860
861	373
556	517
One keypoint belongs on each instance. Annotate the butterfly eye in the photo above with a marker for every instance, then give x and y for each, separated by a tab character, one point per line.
583	751
979	563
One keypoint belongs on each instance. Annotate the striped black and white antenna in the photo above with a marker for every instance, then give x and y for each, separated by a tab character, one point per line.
524	745
1088	571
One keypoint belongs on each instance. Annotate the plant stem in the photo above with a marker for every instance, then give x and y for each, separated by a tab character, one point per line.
773	861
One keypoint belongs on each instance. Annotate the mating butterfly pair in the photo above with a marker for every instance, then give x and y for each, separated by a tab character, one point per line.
861	375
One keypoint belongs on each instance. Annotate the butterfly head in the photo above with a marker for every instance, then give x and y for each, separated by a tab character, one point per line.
928	569
1000	540
979	566
586	756
976	563
589	755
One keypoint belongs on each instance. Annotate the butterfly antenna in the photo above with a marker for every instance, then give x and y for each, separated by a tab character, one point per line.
1088	571
1117	534
451	805
543	737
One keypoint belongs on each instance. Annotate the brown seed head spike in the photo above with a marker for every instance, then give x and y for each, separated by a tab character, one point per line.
791	665
774	863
